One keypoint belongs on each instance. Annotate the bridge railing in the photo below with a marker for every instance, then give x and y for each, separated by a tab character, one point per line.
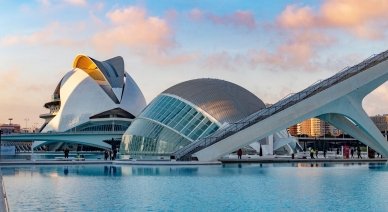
283	104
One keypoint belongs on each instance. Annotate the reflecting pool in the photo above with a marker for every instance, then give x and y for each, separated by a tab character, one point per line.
232	187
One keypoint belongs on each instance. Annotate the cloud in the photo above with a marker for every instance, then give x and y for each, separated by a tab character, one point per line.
45	3
364	19
51	3
301	33
297	17
79	3
298	51
306	30
131	27
196	14
239	18
53	34
225	61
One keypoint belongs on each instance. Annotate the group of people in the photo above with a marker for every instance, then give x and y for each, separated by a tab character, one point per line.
358	152
352	151
315	152
111	154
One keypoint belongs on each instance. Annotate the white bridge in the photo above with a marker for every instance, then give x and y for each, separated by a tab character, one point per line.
336	100
95	139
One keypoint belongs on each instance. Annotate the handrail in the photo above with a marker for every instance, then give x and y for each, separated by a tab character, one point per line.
283	104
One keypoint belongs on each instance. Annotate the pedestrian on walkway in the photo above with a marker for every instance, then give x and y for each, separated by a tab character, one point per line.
311	153
359	152
352	152
239	153
106	155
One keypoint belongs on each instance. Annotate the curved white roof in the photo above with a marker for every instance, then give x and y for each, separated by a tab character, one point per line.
93	87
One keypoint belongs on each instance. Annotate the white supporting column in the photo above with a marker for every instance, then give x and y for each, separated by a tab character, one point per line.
270	144
363	130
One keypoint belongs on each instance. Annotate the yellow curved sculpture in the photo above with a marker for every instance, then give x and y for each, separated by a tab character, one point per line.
86	64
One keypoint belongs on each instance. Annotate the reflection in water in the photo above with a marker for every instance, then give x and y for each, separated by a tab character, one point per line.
163	171
191	171
229	187
329	164
378	166
112	171
66	170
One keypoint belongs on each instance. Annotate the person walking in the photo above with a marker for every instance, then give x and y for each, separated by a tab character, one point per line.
239	153
106	155
324	153
352	152
114	154
311	153
66	151
359	152
316	153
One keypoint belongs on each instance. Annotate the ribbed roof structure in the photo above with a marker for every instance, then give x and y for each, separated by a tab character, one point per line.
224	101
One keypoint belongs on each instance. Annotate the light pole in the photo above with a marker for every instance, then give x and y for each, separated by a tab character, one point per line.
26	119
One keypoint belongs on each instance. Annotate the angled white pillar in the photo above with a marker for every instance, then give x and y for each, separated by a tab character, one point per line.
361	127
343	123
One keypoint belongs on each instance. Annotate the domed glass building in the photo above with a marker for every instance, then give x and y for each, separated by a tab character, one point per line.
184	113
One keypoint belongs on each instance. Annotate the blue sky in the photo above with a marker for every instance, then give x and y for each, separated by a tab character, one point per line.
272	48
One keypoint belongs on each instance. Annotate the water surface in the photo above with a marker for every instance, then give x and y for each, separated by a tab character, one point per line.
232	187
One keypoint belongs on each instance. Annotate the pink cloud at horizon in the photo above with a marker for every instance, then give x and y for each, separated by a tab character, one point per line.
363	19
131	27
54	34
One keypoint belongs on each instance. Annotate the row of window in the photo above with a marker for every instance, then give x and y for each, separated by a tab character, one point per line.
179	116
147	137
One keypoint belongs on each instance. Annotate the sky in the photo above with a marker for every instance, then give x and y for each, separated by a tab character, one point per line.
271	48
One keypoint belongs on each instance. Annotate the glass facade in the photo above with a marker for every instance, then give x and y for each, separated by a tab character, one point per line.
166	125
